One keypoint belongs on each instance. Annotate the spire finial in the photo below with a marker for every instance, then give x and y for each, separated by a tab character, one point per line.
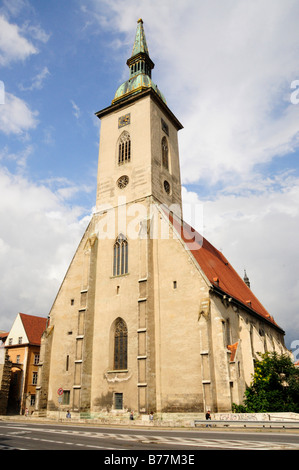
246	279
140	44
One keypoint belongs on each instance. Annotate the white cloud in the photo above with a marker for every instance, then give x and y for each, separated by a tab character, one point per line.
39	235
16	117
14	8
19	158
13	46
36	32
37	81
76	109
65	189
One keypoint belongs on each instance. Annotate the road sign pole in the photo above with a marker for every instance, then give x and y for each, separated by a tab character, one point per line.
60	393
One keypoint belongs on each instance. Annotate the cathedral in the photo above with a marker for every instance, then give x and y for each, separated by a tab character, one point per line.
150	316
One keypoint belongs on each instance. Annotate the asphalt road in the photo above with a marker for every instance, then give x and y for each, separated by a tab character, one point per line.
29	435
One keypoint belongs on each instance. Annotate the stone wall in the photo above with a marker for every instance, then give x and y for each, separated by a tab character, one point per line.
4	386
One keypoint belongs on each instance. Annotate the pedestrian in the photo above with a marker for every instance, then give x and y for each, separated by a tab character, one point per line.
131	415
208	417
151	416
68	415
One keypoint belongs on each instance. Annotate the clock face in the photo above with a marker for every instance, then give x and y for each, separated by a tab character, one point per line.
124	120
122	181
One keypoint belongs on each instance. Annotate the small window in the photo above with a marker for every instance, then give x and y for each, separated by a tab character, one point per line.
36	359
118	401
72	301
174	284
165	153
166	187
34	378
20	340
164	126
122	182
66	397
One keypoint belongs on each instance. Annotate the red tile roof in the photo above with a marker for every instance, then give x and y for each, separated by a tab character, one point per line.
34	327
3	335
218	270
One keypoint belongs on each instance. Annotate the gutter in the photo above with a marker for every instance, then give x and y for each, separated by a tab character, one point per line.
232	300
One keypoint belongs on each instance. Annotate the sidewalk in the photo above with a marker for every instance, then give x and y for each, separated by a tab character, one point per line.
163	420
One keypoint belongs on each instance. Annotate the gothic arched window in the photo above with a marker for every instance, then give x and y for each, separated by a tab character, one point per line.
124	148
120	256
165	153
120	345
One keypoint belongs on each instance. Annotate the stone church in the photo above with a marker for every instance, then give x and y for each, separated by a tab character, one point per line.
150	316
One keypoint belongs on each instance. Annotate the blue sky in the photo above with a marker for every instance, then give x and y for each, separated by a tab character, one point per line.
226	69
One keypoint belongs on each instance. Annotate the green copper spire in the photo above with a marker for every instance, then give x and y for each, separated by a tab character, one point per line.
140	61
140	65
140	44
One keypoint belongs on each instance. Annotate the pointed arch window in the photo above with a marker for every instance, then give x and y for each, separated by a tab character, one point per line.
120	256
165	153
124	148
120	345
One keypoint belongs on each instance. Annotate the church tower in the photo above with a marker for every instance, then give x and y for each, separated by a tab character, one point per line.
150	316
139	155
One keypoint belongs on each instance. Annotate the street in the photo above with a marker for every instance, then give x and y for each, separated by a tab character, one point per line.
29	435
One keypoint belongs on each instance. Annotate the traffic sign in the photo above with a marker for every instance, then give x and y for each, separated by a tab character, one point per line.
60	391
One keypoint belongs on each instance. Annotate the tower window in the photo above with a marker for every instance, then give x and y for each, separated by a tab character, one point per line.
165	127
120	256
165	153
122	182
166	187
124	148
120	345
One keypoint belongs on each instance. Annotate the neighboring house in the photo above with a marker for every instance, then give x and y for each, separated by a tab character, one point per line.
23	348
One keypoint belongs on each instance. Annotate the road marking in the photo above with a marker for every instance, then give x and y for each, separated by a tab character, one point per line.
150	439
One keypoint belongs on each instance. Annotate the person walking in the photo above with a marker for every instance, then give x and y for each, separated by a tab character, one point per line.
208	418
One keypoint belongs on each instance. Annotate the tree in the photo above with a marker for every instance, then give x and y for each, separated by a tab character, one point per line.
274	388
